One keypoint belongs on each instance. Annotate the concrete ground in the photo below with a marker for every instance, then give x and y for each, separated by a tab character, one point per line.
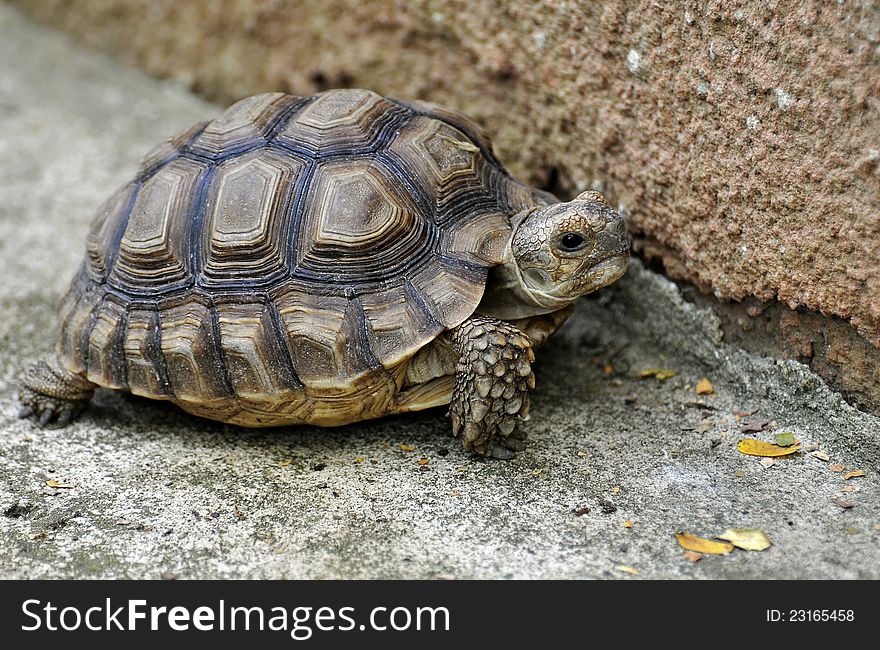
147	491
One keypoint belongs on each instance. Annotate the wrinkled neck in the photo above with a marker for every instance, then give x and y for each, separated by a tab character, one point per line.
508	296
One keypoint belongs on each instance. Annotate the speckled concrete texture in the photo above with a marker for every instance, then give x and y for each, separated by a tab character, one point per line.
742	138
142	490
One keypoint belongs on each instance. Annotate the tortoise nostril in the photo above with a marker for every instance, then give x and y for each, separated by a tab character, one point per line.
613	236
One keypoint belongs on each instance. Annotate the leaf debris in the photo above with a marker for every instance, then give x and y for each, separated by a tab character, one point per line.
748	539
754	424
692	556
658	373
854	474
629	523
821	455
701	545
837	468
785	439
628	569
52	483
405	447
766	449
704	387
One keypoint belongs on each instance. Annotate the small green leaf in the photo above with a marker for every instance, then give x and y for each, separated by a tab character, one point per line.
785	439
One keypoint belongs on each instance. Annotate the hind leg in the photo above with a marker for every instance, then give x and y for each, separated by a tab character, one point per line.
48	392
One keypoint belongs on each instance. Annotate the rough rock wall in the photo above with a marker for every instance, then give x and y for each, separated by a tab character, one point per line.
741	138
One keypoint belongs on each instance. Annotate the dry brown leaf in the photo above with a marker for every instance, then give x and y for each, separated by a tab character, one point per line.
537	472
607	369
748	539
629	523
455	493
52	483
754	424
704	387
739	473
615	489
423	461
700	545
837	468
846	505
693	557
406	447
583	454
766	449
846	488
628	569
856	473
821	455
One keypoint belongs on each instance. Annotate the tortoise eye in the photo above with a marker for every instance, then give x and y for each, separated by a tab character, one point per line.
571	242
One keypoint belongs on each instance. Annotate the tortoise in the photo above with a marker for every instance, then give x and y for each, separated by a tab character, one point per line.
323	260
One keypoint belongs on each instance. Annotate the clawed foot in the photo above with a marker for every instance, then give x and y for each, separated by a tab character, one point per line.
47	410
50	393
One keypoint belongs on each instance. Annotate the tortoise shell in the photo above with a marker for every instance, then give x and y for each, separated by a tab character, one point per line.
280	263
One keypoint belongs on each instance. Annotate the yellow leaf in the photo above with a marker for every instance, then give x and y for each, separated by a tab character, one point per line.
748	539
628	569
759	448
359	459
704	387
700	545
406	447
629	523
615	489
52	483
537	472
854	474
422	461
657	373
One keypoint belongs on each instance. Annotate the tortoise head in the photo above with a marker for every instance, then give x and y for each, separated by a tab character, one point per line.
566	250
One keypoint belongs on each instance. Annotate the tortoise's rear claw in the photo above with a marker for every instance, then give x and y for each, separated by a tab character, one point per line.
46	417
25	411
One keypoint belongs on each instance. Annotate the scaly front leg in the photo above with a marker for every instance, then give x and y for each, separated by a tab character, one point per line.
492	383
